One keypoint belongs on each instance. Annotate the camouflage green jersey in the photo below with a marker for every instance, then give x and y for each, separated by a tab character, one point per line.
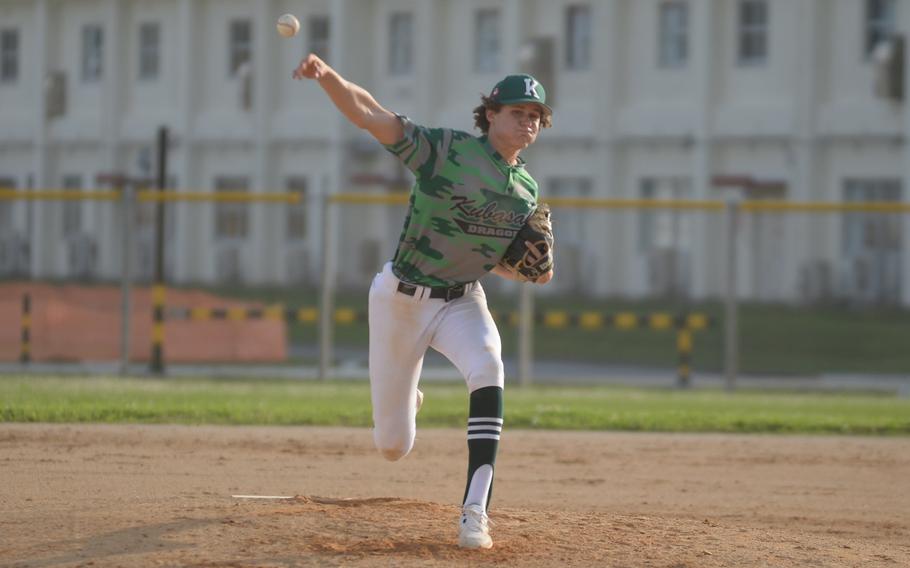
466	206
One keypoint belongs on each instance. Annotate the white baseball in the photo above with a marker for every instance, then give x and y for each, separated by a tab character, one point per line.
288	26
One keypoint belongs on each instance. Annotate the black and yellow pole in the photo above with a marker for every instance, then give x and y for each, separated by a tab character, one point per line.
158	303
25	353
158	290
684	353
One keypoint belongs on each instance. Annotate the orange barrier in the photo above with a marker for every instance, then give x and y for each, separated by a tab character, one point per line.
82	323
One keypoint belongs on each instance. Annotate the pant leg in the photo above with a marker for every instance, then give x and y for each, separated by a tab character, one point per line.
468	337
399	338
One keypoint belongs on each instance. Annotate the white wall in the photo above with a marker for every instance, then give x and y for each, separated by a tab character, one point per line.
149	103
16	104
620	121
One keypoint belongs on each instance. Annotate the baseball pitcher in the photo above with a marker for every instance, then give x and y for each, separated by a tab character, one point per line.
472	199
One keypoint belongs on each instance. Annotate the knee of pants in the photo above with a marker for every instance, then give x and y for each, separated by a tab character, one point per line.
392	446
486	372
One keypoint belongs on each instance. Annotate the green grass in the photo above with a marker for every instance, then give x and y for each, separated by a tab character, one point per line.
285	402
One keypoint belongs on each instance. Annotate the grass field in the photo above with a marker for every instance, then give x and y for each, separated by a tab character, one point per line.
286	402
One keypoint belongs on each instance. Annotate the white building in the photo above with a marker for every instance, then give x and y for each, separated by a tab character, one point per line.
652	98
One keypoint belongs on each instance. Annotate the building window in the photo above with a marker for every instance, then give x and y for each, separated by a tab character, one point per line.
664	238
753	32
147	211
318	36
297	212
401	43
575	236
240	45
663	228
578	37
231	218
92	52
673	36
486	41
881	16
72	208
9	55
872	242
149	50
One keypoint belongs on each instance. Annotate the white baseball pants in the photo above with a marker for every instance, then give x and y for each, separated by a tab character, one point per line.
401	329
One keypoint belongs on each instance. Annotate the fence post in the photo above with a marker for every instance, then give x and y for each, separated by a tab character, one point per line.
158	293
326	302
684	354
25	353
159	298
525	333
731	317
126	276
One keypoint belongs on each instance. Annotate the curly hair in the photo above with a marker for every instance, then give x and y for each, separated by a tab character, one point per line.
480	114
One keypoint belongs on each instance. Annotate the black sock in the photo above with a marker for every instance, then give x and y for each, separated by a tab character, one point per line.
484	427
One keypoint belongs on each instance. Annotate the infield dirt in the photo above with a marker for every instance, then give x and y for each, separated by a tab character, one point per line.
101	495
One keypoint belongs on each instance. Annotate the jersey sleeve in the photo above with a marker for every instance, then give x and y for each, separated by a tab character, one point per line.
422	150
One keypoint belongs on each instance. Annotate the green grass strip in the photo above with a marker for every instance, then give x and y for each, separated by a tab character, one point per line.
288	402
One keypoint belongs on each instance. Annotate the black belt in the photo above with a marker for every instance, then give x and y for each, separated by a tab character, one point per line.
447	294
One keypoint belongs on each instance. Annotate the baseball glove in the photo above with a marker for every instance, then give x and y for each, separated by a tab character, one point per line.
526	264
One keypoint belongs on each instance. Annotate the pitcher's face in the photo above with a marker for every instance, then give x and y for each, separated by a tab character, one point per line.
516	125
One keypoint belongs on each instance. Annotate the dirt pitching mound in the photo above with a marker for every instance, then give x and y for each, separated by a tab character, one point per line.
93	495
386	531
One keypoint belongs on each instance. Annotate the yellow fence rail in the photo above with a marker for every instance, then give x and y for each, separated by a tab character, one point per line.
150	196
401	198
699	205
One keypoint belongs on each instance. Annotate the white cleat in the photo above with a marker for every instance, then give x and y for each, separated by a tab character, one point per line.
419	400
474	530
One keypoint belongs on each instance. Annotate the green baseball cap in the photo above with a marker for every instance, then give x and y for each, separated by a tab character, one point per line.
520	89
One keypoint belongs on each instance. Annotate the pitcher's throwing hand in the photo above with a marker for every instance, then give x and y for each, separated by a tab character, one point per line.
311	67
